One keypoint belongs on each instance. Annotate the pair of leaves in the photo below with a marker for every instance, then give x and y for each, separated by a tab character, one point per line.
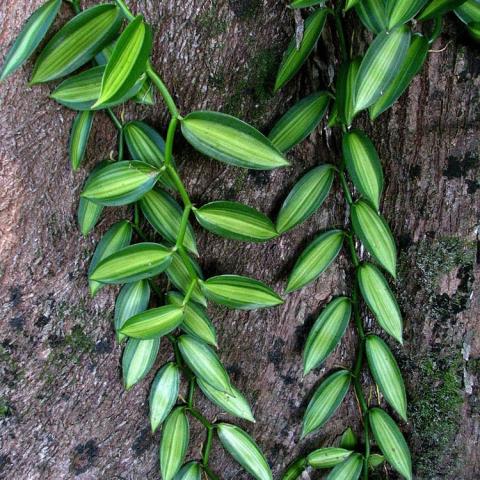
229	140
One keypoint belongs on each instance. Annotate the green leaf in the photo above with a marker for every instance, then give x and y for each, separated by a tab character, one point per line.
165	216
244	450
137	360
229	140
236	221
180	276
375	460
190	471
174	445
79	136
350	469
136	262
77	42
153	323
195	319
127	63
295	469
305	198
469	11
117	237
373	15
326	332
295	57
349	440
402	11
81	91
132	299
363	165
300	121
204	363
382	61
350	4
145	94
163	393
345	90
30	37
390	440
437	8
474	30
414	60
306	3
120	183
386	373
327	457
89	212
147	145
326	399
242	293
233	403
375	234
315	259
380	300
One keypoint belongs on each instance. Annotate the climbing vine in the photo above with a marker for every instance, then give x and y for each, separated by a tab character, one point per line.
112	47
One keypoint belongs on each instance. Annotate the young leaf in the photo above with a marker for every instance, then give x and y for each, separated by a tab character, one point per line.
350	4
195	319
116	238
437	8
315	259
469	11
77	42
382	61
127	63
165	216
402	11
327	457
305	198
373	15
349	469
295	57
373	231
79	136
30	37
145	94
326	399
391	442
380	300
229	140
204	362
146	144
175	438
244	450
295	469
326	332
153	323
306	3
236	221
375	460
414	60
163	394
300	121
242	293
363	165
88	215
180	276
386	373
136	262
132	299
233	403
345	90
120	183
190	471
81	91
349	440
137	360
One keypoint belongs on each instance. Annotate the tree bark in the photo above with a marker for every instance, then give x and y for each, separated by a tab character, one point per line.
65	412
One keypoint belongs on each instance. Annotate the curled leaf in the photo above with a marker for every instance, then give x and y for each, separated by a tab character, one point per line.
79	136
348	440
345	90
138	359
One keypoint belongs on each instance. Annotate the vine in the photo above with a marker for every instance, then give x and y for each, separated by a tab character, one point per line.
119	69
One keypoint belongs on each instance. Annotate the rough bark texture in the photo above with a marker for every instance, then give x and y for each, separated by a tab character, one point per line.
65	412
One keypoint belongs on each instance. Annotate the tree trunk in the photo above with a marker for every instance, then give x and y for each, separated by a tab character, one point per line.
65	412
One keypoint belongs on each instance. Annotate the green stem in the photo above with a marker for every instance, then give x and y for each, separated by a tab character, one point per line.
340	32
204	421
126	11
120	145
346	190
191	392
115	120
436	31
162	88
176	351
210	474
183	226
207	448
189	291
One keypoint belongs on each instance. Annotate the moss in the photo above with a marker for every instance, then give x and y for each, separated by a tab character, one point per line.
4	408
435	414
210	23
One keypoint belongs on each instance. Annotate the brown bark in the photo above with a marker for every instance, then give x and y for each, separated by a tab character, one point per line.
68	414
